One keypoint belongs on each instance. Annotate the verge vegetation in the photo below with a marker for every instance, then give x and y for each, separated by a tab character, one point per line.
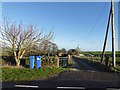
18	74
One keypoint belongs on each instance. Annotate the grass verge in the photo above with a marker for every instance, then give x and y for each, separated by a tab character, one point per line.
18	74
116	69
99	66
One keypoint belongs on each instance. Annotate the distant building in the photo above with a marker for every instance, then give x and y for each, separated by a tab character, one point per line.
60	54
81	55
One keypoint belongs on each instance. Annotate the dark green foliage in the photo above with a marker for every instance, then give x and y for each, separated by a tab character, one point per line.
72	51
8	60
48	61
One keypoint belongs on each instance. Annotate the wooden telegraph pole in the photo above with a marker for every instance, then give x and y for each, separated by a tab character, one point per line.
111	15
113	35
108	25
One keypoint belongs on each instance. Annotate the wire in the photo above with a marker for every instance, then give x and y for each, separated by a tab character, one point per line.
96	22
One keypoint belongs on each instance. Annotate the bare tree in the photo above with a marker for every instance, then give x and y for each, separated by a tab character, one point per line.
16	39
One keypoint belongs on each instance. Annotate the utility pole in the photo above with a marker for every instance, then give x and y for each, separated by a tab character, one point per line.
111	16
108	25
113	35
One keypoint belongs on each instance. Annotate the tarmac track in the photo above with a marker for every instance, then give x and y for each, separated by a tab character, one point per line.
85	77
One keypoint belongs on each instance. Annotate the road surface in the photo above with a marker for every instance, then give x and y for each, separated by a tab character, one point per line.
80	76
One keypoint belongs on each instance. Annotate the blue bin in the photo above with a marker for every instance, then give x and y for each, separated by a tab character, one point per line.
38	62
32	61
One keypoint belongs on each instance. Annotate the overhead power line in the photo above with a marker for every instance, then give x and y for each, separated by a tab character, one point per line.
96	22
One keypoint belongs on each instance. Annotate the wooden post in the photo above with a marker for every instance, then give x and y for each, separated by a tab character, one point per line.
113	35
69	58
108	25
57	60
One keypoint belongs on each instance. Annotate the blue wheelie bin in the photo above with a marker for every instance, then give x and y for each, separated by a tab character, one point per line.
32	61
38	61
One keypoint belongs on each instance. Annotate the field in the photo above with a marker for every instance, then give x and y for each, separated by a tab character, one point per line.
99	52
97	55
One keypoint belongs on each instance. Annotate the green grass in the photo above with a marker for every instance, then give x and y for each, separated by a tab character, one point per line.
18	74
116	69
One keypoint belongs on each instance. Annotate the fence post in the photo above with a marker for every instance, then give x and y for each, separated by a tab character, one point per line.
57	60
106	60
69	58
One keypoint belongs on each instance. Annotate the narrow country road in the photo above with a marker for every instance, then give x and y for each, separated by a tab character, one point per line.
80	76
80	65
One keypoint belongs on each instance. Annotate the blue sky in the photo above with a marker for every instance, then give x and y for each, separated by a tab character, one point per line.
74	23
